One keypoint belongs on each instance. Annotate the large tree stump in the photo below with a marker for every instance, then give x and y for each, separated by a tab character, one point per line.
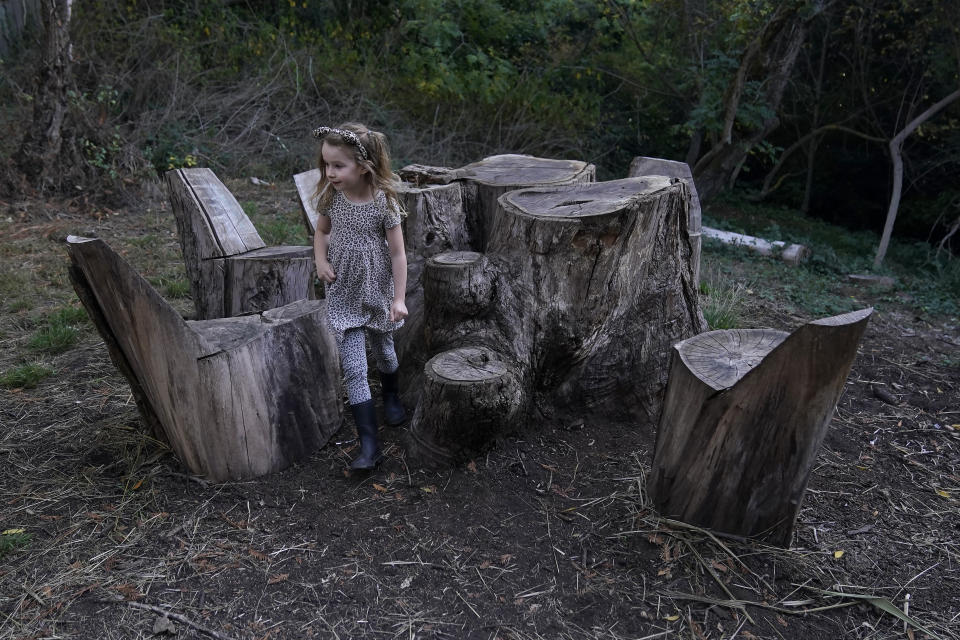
644	166
234	397
466	382
744	417
596	285
231	270
588	286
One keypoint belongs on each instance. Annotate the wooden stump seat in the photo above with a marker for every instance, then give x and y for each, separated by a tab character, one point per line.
231	270
234	397
744	417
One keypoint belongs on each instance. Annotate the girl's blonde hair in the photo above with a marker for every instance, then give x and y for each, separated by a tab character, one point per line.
376	160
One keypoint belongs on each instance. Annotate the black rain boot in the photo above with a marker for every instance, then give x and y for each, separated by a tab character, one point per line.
365	415
394	414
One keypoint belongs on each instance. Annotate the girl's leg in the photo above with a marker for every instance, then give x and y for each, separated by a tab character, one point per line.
386	358
353	361
381	344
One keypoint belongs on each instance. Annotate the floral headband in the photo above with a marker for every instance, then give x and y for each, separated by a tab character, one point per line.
349	136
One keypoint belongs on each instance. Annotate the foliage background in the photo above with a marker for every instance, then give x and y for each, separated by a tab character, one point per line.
238	86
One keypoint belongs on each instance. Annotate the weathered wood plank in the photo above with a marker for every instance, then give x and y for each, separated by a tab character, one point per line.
230	225
307	188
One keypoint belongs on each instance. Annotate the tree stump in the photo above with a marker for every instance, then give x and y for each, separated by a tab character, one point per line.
470	398
458	290
595	286
744	417
482	183
644	166
234	397
231	270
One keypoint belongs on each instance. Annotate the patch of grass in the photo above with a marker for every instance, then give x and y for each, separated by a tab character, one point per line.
277	229
55	338
17	305
68	316
59	330
26	376
178	288
171	287
13	539
722	302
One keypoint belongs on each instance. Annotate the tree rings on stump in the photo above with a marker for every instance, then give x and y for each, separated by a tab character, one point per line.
469	397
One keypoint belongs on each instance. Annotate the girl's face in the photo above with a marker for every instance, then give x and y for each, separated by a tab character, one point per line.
343	172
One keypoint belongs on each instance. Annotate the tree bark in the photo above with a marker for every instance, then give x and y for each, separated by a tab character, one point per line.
896	160
39	155
234	397
744	416
771	56
644	166
470	398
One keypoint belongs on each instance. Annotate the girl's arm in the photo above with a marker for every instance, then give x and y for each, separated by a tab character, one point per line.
321	240
398	262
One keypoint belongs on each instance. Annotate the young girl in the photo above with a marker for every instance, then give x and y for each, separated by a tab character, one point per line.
360	256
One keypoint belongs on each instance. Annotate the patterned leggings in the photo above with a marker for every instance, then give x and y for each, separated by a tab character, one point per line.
353	360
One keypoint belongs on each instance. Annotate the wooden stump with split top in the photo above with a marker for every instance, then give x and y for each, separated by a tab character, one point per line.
231	270
234	397
744	417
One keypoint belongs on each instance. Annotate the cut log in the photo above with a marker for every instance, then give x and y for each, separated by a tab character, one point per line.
231	270
234	397
470	398
644	166
789	253
596	285
482	183
744	417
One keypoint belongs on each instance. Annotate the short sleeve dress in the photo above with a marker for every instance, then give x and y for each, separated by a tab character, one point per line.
363	290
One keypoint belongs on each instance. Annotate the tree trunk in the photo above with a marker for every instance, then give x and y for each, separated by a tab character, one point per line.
770	57
743	419
896	159
234	397
39	155
231	270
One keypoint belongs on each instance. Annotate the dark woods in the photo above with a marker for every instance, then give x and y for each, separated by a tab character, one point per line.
794	102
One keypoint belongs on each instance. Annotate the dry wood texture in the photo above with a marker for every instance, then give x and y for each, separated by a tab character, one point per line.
231	271
744	417
587	287
644	166
234	397
482	183
470	397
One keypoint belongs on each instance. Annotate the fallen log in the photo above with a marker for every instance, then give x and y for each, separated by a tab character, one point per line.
789	253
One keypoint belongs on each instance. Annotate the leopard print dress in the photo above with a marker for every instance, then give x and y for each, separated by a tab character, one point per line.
363	290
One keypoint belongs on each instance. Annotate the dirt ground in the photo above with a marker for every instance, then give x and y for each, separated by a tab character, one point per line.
550	535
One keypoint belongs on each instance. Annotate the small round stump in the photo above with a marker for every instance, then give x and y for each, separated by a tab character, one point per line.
457	283
469	397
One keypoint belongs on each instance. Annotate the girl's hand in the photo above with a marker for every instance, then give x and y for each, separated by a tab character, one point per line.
398	310
325	272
